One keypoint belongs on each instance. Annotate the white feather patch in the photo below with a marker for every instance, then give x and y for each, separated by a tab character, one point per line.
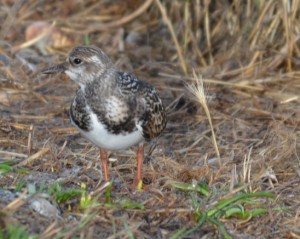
101	137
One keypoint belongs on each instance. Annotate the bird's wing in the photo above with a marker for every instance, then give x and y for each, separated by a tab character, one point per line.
151	115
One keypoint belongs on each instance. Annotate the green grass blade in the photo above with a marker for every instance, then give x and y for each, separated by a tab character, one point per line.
199	187
87	220
15	231
62	197
20	184
87	40
133	205
184	232
130	234
258	211
221	227
235	210
54	188
199	224
108	194
6	167
179	233
223	203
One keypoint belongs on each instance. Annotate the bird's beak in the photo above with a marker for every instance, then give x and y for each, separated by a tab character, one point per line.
60	68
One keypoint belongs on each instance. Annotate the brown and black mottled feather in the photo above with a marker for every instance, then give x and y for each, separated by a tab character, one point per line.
150	110
78	112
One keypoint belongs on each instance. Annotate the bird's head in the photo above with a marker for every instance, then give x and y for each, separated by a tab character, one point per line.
84	64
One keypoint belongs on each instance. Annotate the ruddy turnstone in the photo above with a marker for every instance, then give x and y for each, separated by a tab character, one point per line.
112	109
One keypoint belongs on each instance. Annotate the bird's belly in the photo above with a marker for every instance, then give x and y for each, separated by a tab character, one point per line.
100	136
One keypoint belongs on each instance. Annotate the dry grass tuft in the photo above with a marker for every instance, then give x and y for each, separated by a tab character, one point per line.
198	91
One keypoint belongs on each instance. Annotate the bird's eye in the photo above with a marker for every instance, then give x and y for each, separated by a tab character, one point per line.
77	61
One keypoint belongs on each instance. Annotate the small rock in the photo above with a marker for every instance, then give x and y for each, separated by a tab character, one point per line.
44	207
7	195
133	38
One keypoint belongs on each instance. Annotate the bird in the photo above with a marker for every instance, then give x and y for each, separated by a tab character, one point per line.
112	109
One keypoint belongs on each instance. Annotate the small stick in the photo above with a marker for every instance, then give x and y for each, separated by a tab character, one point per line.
29	142
33	157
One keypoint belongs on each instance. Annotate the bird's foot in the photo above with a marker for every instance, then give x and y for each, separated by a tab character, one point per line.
136	185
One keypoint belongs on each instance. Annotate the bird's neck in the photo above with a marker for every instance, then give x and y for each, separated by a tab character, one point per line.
104	83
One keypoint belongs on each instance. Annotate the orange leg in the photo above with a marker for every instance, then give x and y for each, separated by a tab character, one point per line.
140	158
104	161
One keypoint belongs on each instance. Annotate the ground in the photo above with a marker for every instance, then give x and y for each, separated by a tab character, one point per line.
242	181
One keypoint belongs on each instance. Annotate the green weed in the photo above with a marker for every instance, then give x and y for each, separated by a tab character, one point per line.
206	212
8	166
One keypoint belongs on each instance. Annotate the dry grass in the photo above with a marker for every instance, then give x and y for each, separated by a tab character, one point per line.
247	53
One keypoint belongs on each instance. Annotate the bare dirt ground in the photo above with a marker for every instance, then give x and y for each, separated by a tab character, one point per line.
247	55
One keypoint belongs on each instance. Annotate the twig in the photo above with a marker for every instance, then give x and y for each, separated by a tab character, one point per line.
34	157
13	154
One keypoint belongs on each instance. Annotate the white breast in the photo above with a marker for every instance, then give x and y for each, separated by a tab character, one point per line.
101	137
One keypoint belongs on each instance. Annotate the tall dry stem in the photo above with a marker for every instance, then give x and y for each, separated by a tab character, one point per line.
198	91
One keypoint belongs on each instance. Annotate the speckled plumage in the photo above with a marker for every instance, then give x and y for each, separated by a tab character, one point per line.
113	104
